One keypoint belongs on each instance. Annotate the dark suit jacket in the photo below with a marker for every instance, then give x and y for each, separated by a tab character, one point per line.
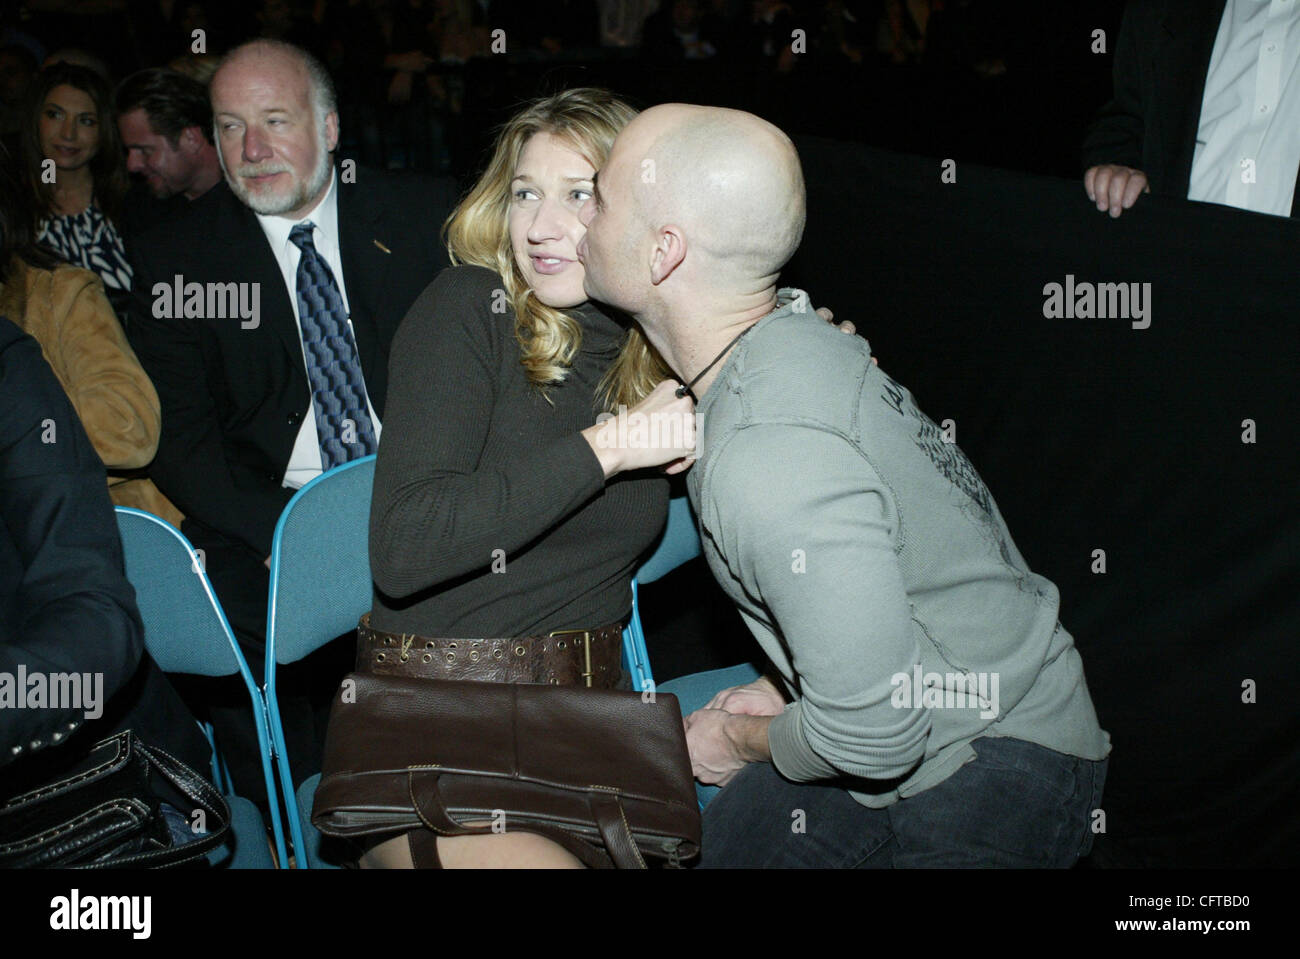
1161	58
233	399
65	602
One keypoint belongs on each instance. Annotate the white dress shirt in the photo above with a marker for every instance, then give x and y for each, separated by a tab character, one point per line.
1250	113
304	461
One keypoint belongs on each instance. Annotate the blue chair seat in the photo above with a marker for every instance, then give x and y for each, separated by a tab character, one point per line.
249	849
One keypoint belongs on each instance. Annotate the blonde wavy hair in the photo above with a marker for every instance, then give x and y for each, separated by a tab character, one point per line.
588	119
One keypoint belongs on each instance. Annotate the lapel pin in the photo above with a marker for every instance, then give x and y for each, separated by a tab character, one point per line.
381	246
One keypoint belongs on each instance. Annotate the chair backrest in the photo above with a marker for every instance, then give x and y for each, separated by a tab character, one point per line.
185	629
680	543
320	562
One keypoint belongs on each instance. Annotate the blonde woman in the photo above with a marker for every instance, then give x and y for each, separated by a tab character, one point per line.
499	511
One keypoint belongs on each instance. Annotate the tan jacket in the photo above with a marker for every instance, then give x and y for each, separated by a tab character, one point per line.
66	311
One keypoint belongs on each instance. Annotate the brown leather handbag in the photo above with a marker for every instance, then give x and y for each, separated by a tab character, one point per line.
603	773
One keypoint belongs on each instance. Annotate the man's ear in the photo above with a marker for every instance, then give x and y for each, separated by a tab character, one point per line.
332	131
668	253
191	140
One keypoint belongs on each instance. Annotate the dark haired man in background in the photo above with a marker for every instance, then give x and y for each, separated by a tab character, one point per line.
166	124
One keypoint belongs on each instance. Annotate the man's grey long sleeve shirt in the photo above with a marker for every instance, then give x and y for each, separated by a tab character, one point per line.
873	567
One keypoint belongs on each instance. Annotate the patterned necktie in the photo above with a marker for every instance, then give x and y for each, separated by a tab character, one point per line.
338	390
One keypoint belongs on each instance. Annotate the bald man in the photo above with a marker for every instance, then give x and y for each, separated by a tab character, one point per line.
932	710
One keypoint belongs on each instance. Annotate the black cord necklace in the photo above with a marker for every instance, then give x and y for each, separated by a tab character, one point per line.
683	390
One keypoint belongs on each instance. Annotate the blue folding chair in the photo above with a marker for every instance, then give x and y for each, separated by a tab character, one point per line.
680	544
186	631
320	587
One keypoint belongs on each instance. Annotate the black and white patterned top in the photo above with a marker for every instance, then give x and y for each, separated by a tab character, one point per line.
88	239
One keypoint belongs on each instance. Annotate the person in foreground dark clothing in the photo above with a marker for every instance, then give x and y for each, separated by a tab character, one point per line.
65	603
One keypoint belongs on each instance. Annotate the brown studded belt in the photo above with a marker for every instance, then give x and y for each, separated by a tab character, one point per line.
562	657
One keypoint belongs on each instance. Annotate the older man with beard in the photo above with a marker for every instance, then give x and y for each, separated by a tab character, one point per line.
264	315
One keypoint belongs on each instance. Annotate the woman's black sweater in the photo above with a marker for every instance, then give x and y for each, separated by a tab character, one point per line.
491	516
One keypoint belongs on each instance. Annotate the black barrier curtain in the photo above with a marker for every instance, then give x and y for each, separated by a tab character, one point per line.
1167	441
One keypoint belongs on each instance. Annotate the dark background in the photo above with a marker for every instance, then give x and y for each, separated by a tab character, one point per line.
1010	83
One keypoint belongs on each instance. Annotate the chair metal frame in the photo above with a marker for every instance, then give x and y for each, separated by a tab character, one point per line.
679	544
273	617
156	643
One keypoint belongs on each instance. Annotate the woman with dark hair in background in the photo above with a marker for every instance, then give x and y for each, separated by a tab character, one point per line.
65	309
74	172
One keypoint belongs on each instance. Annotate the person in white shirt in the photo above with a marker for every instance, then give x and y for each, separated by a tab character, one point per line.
1233	139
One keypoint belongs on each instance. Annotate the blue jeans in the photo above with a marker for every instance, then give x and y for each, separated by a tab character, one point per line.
1017	804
